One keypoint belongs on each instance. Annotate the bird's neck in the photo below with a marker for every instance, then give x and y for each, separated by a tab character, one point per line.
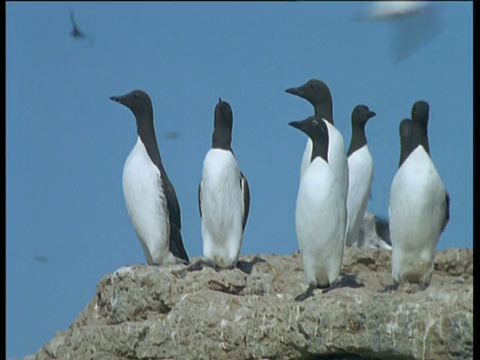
222	138
146	133
358	138
324	111
406	148
420	137
320	148
403	156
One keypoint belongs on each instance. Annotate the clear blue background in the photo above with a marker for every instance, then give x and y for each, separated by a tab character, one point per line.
67	225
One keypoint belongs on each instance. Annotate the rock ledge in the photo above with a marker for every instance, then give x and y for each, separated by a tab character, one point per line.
147	312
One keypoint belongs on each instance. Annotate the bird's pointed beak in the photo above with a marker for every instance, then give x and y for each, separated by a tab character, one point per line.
296	124
294	91
371	114
116	99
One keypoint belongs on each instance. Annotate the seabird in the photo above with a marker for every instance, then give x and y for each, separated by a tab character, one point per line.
360	173
419	204
149	195
76	32
223	197
321	213
415	24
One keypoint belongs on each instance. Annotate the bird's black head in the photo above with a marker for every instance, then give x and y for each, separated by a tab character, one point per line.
420	112
313	126
137	101
361	114
315	91
223	114
317	130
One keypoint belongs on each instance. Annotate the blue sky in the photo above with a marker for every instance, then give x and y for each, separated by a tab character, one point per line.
67	224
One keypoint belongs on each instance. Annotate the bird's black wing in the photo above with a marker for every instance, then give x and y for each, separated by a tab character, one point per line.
176	246
246	199
200	197
447	212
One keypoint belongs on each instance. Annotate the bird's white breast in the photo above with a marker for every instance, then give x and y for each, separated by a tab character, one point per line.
222	207
146	204
337	158
360	172
417	210
320	220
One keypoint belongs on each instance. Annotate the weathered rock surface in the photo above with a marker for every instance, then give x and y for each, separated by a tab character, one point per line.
147	312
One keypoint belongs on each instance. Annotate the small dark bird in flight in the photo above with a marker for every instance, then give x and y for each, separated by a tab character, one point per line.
76	32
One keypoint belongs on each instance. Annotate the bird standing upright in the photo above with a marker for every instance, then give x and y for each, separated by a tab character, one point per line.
360	174
419	204
223	196
149	195
321	214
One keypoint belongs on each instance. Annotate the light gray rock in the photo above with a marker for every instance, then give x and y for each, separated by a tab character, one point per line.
149	312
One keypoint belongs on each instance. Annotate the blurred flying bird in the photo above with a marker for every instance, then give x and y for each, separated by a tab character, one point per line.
76	32
415	24
385	10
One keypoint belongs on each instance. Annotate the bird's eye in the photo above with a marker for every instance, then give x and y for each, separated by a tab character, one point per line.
312	87
314	122
135	95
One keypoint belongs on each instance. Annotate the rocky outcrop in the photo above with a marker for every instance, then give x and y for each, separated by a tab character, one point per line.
148	312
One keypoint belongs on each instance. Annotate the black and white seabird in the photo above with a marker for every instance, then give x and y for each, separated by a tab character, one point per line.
317	93
419	204
150	197
360	174
321	213
223	197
